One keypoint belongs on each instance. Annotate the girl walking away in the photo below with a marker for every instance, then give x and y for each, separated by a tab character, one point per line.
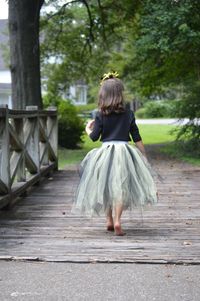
116	176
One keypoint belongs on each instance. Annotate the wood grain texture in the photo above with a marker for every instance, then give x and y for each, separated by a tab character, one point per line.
41	226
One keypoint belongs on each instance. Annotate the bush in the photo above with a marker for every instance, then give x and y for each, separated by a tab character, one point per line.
189	107
157	109
141	113
70	126
51	100
86	108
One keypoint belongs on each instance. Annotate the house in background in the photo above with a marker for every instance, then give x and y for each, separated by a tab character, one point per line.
5	76
77	93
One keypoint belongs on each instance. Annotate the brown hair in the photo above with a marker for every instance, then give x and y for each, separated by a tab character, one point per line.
111	96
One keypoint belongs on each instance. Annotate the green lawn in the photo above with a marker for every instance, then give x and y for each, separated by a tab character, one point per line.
176	150
155	134
151	134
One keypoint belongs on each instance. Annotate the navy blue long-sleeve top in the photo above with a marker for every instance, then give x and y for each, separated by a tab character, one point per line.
115	126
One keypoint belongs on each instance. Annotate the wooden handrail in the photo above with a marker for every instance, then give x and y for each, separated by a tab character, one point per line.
28	149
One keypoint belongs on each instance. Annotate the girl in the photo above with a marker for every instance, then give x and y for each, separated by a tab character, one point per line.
115	176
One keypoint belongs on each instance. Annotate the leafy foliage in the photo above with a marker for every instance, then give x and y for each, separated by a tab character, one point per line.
82	42
190	107
70	126
153	44
158	109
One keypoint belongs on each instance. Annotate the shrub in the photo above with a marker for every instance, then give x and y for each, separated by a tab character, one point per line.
158	109
155	109
51	100
70	126
141	113
189	107
86	108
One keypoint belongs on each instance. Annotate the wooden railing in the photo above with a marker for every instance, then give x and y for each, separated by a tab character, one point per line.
28	149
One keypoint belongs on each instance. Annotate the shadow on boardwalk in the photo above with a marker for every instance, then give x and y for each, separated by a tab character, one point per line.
41	226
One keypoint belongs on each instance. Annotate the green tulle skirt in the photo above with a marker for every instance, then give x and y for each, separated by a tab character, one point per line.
116	173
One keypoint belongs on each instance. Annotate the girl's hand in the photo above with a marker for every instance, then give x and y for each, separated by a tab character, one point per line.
89	127
140	146
90	124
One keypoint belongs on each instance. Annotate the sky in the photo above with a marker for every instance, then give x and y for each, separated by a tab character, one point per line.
3	9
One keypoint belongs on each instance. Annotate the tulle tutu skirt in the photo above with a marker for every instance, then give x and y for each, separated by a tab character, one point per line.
116	173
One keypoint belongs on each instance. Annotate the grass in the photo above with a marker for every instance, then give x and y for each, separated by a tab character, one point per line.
70	156
176	150
151	134
156	134
74	156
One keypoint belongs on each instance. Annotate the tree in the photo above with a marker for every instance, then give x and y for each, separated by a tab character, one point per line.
167	49
25	52
167	43
85	41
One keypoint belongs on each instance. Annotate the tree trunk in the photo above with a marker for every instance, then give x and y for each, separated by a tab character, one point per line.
24	18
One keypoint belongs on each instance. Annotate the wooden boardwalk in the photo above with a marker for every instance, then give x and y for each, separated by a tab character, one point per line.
41	226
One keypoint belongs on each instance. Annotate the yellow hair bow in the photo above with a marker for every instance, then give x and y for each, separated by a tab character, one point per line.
108	75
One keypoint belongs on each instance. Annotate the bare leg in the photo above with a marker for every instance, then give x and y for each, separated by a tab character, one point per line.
117	226
110	225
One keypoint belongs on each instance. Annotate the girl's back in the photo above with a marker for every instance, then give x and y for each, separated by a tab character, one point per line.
115	126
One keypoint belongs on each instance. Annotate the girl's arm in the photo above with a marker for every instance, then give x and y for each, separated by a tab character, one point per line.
136	135
140	146
94	128
134	131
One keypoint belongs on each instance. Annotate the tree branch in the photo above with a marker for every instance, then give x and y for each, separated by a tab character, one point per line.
102	20
91	23
90	19
62	9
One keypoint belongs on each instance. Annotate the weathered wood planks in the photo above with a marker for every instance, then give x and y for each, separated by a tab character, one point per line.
41	226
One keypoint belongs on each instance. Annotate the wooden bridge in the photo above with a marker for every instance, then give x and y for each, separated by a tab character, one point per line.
41	227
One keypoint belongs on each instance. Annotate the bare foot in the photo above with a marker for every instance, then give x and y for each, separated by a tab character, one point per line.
118	230
110	225
110	228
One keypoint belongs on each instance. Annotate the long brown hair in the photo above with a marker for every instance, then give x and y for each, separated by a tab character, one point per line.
111	96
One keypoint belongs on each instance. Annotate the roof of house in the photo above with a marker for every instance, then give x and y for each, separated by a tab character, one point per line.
3	42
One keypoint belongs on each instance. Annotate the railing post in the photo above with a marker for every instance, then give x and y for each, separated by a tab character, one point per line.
5	183
52	132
